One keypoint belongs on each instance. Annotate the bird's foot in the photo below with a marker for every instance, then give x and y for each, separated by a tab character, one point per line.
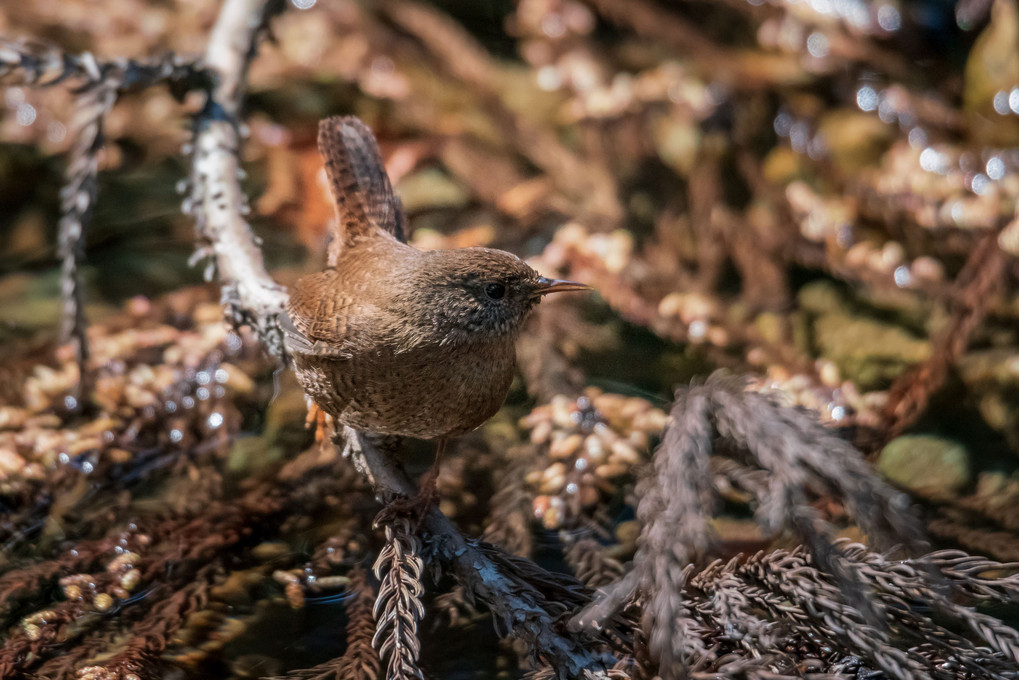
321	421
418	507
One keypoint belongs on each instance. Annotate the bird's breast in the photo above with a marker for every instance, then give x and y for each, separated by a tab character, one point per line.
429	391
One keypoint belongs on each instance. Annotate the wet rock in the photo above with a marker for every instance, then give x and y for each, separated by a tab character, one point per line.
926	463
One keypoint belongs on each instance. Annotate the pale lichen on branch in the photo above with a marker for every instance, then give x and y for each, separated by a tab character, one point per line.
216	200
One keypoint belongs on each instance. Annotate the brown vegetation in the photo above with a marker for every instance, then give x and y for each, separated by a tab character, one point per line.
691	174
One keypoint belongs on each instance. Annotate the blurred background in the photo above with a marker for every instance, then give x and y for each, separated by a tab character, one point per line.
820	193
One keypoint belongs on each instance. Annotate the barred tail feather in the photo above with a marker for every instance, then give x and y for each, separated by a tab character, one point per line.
365	202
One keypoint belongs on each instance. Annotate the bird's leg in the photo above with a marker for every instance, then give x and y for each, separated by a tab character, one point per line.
428	491
427	494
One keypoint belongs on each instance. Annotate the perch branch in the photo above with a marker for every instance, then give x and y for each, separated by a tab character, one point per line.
482	570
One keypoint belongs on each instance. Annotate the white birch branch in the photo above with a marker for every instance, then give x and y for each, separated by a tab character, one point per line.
217	202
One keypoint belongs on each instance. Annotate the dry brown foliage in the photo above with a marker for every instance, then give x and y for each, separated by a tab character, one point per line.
398	605
98	582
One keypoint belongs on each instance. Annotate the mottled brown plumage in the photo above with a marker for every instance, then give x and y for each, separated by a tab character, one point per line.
395	340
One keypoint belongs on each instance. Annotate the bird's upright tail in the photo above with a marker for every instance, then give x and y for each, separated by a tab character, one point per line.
365	202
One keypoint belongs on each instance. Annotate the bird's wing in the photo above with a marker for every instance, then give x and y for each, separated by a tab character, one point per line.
365	201
316	323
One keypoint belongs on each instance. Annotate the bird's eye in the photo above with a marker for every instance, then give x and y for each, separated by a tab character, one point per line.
496	291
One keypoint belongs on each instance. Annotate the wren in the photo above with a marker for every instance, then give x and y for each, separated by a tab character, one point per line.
395	340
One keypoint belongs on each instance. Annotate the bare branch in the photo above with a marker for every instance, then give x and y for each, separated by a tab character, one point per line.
77	199
217	202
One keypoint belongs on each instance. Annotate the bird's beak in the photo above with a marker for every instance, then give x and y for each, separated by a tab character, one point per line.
546	286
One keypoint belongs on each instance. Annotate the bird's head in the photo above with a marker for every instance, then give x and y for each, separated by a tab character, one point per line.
471	294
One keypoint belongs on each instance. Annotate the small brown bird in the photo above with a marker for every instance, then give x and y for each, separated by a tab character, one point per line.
395	340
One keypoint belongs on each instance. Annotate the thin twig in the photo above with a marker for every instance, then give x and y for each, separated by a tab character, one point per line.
77	199
37	64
